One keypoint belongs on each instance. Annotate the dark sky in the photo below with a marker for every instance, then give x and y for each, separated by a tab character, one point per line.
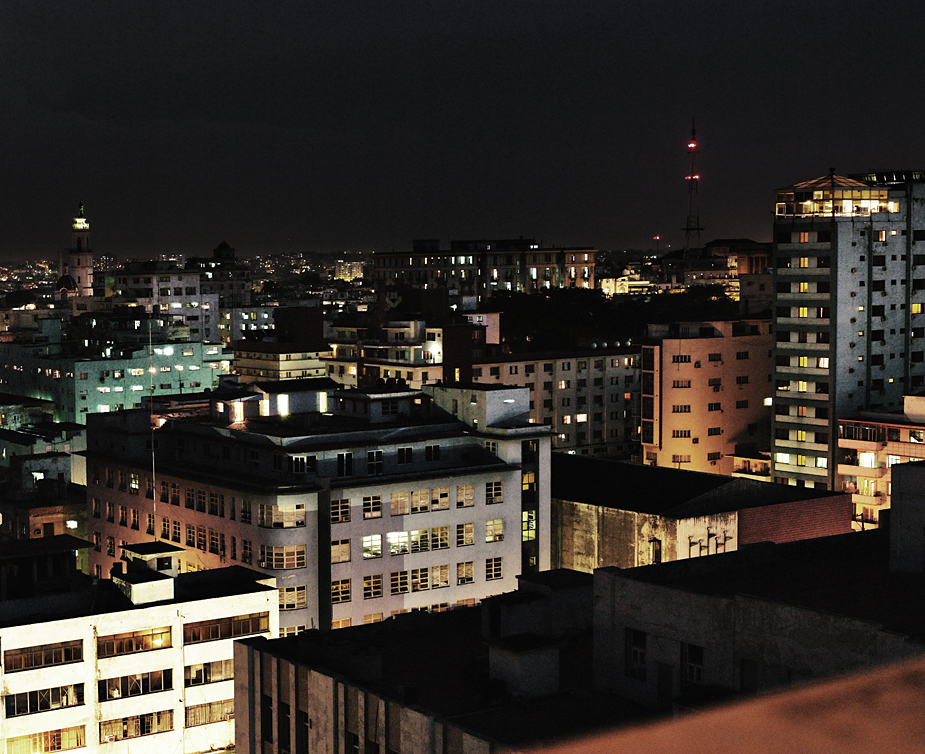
319	125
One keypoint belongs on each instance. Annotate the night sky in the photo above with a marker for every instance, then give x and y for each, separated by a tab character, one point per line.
323	126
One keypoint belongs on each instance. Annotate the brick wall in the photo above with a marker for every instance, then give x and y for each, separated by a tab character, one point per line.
803	519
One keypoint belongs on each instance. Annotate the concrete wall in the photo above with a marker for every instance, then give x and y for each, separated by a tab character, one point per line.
787	644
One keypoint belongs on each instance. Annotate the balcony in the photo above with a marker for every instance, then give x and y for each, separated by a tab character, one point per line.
847	469
870	446
877	500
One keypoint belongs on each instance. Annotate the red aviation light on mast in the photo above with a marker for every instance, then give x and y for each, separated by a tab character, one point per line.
692	144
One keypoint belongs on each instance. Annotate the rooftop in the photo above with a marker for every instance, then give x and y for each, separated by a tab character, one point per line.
657	490
104	596
847	575
409	658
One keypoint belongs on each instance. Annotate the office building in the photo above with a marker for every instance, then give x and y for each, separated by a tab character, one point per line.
364	504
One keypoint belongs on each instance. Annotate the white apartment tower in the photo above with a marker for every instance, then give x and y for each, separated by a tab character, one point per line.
849	275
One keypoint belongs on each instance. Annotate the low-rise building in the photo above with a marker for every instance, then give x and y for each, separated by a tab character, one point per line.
610	513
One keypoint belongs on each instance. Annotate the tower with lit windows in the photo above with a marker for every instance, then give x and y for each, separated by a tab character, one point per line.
849	292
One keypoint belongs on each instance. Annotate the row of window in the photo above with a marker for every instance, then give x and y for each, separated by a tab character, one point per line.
417	501
416	580
202	501
418	540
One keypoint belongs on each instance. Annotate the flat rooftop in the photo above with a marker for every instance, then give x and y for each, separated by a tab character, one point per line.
658	490
408	659
104	597
846	574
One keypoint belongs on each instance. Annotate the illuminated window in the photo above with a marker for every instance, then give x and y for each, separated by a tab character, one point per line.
801	386
801	435
804	238
804	361
916	308
823	362
804	287
881	235
782	457
804	262
803	312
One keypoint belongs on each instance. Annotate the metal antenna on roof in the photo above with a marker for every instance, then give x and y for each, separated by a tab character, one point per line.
692	229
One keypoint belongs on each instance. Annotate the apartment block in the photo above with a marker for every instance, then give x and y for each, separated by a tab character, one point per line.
364	504
82	386
256	360
849	322
589	398
705	390
165	289
141	662
870	445
472	270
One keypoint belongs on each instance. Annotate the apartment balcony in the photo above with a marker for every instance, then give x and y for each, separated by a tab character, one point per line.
877	500
821	397
814	321
799	272
847	469
759	475
870	446
799	297
802	447
786	346
801	421
803	371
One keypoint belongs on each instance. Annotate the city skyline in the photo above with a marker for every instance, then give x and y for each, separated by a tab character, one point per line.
324	128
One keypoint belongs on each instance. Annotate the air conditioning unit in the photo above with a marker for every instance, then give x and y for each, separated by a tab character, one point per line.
108	739
262	564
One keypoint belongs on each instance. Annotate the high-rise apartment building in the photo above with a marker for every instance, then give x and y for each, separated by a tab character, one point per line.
849	276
